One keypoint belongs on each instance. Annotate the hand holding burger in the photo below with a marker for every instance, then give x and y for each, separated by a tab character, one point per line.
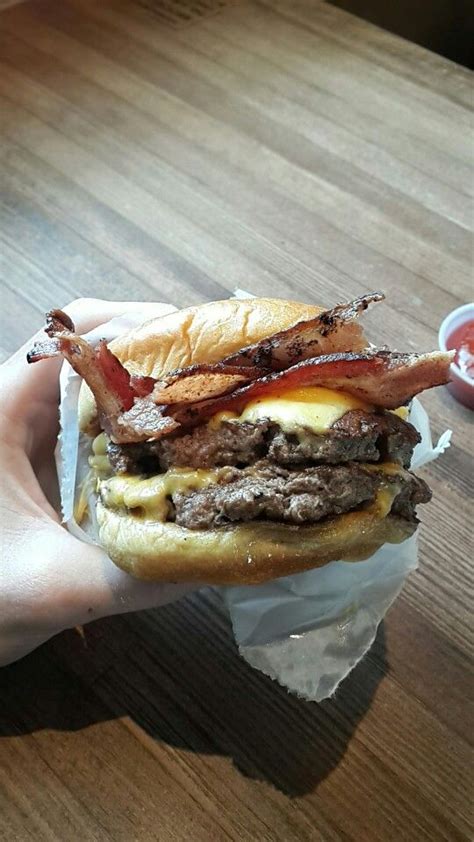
241	441
49	580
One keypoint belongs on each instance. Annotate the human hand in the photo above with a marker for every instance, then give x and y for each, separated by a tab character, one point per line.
50	580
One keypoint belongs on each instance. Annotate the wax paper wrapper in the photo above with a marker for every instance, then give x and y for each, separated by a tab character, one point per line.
306	631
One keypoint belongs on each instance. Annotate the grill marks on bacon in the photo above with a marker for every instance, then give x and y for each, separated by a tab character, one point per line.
383	378
331	332
201	382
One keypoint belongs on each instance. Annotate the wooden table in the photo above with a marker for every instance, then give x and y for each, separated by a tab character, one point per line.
293	150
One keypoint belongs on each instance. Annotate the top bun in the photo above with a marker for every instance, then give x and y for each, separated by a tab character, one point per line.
205	333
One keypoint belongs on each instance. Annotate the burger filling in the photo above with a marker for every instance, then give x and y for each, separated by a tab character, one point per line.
296	458
357	436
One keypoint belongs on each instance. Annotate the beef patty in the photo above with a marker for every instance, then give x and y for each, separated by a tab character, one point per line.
357	436
271	492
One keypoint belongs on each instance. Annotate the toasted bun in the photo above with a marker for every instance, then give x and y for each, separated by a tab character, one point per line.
203	334
247	553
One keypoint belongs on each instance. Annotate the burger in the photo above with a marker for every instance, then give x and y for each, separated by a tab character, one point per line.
245	440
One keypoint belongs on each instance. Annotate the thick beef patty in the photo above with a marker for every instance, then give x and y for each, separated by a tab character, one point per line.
357	436
270	492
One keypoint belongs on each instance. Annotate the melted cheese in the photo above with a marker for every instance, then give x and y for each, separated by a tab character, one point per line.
81	507
99	445
100	467
391	469
384	498
99	461
314	409
219	417
150	496
402	412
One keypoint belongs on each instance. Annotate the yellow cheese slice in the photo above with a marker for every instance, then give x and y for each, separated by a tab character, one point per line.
314	408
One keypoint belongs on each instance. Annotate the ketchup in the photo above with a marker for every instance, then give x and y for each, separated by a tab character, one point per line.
462	340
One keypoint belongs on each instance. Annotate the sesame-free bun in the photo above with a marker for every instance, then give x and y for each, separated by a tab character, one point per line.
246	553
205	333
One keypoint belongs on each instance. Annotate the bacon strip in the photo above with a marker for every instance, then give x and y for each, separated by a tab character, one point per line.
42	350
201	382
382	378
144	421
330	332
84	361
116	376
114	389
111	384
57	321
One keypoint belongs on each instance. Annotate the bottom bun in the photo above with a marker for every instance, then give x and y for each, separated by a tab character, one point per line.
245	553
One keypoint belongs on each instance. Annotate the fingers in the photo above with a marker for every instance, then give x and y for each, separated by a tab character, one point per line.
76	582
116	592
59	580
52	581
88	313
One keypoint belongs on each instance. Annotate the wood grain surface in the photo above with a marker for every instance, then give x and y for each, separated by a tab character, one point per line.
293	150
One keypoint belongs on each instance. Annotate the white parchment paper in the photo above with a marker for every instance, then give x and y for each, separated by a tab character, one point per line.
306	631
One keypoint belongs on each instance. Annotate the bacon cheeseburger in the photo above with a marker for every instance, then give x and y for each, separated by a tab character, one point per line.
244	440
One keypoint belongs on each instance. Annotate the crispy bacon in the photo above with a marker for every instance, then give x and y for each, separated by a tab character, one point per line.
382	378
330	332
83	360
133	408
114	389
116	375
111	384
142	385
42	350
57	324
145	420
57	321
201	382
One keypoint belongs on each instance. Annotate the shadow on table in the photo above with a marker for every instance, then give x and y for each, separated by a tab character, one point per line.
177	674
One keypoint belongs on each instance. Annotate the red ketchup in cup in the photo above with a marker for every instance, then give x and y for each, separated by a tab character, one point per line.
462	341
457	334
